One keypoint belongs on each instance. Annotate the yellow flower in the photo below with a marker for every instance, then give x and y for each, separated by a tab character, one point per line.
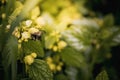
58	68
34	55
33	30
3	15
49	60
28	59
52	66
40	21
16	33
24	28
55	48
62	44
61	63
25	35
19	40
19	46
38	27
50	46
28	23
8	26
54	33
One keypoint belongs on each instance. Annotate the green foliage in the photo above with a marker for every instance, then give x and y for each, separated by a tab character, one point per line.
10	51
8	43
33	46
102	76
80	34
50	41
39	70
72	57
108	20
54	40
9	56
17	10
61	77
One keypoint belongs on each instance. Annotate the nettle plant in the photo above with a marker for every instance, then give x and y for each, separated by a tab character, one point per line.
53	41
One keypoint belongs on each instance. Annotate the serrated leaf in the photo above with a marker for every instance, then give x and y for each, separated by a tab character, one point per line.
39	70
102	76
33	46
72	57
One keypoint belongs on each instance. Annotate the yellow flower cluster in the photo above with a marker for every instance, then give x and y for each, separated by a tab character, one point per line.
54	66
56	35
55	44
29	59
26	29
59	46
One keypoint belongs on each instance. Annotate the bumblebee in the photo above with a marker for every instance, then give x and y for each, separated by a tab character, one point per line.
36	35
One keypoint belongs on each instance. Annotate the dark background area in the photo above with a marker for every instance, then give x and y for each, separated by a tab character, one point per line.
105	7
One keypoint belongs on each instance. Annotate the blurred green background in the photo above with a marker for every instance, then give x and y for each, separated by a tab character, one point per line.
95	8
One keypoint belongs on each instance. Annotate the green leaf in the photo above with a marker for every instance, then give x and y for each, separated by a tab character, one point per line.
1	37
33	46
109	20
116	39
50	40
73	58
10	51
61	77
102	76
17	10
10	55
72	73
10	7
39	70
